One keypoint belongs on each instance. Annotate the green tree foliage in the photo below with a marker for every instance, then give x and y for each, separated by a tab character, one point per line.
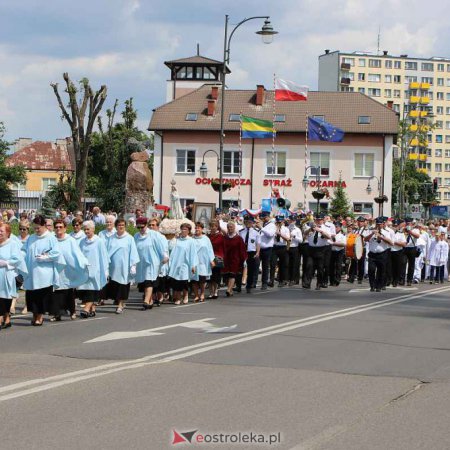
340	204
62	195
8	175
110	156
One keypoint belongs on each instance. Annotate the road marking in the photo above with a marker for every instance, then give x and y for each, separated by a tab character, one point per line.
184	352
188	304
116	335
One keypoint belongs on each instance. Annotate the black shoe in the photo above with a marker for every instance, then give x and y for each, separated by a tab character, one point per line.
92	314
324	286
372	290
383	288
7	325
359	281
264	287
351	280
394	285
317	288
304	286
146	306
249	291
237	289
281	284
84	314
377	290
270	284
408	283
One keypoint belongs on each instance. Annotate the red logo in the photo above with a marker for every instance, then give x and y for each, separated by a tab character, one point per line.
179	438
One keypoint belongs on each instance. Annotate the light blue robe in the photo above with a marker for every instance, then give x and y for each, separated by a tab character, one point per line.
42	274
75	272
123	255
106	236
168	247
151	253
182	259
78	236
94	250
10	252
205	254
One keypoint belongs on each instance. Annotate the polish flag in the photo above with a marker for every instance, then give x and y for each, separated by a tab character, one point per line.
287	91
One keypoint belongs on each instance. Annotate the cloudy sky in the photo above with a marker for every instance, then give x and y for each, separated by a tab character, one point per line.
124	43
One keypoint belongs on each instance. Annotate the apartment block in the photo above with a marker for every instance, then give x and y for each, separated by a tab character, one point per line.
417	88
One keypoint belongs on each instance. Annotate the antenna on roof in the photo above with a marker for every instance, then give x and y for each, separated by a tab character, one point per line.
198	49
378	40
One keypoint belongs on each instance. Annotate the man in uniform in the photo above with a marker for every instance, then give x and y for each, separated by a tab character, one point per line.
294	250
252	239
267	229
337	255
279	253
327	252
412	234
397	253
357	265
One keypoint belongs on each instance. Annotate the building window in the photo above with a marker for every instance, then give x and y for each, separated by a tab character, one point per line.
388	64
447	153
438	167
397	79
234	118
446	195
439	96
439	138
447	139
361	76
396	107
438	195
429	67
322	160
447	167
438	153
439	181
439	124
279	118
231	162
397	93
388	93
375	63
410	79
47	183
428	151
363	208
185	202
397	64
388	78
364	164
374	92
191	117
374	77
429	80
231	203
361	62
440	82
362	90
350	61
428	166
362	120
446	181
440	67
276	163
186	161
323	207
20	186
410	65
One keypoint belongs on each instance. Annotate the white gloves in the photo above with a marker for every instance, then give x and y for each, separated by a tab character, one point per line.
133	270
42	258
3	263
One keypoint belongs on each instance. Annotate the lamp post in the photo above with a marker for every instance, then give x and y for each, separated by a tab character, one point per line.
381	198
203	167
267	33
318	195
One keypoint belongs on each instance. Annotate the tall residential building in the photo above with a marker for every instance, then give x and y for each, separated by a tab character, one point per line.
417	88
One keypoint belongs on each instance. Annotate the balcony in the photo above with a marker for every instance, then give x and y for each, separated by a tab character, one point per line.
345	66
414	85
424	128
414	99
345	81
423	157
413	156
414	142
424	100
424	86
413	128
423	113
422	171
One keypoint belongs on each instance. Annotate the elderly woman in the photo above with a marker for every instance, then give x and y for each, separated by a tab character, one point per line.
152	254
109	231
168	242
234	257
123	257
71	276
11	262
43	260
94	250
205	255
182	263
77	232
218	244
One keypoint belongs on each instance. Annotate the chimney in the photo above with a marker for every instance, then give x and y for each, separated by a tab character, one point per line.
390	104
21	143
211	107
61	142
385	52
259	94
327	51
215	92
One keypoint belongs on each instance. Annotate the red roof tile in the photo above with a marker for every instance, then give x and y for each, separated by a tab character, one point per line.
42	156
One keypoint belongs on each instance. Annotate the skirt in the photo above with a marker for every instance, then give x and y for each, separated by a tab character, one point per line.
201	279
5	306
146	284
216	276
38	300
89	296
162	284
62	300
179	285
117	291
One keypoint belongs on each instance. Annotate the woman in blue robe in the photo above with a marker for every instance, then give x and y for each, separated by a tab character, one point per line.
123	258
182	263
73	274
205	254
109	231
77	232
94	250
43	259
11	263
151	255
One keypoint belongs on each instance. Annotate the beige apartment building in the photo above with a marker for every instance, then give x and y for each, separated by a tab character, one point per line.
417	88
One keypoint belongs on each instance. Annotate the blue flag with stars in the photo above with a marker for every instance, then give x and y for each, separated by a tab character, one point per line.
319	130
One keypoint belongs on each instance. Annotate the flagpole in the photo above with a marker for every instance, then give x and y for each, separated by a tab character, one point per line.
306	160
240	162
273	131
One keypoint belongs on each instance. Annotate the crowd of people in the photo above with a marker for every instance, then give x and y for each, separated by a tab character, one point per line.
55	268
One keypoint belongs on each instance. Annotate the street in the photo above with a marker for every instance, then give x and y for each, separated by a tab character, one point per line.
342	368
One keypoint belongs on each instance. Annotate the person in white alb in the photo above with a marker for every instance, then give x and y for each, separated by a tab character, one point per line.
379	242
337	255
267	230
294	250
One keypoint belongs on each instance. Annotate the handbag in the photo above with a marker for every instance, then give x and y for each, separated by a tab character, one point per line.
218	261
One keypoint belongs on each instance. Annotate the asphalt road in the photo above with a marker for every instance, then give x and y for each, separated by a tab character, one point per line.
336	369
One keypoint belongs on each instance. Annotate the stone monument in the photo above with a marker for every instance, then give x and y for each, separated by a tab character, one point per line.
138	184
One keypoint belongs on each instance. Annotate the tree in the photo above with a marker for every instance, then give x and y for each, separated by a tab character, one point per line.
110	155
81	127
8	175
340	204
62	195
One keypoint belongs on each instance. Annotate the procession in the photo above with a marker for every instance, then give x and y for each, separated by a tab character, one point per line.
176	261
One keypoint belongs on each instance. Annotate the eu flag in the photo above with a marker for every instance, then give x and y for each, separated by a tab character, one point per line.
319	130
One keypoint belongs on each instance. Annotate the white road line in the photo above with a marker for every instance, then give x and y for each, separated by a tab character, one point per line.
188	304
180	353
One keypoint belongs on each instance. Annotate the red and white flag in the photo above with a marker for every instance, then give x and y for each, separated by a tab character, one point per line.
287	91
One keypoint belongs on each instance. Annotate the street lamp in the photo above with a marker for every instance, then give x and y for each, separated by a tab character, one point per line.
267	33
381	198
203	167
318	194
